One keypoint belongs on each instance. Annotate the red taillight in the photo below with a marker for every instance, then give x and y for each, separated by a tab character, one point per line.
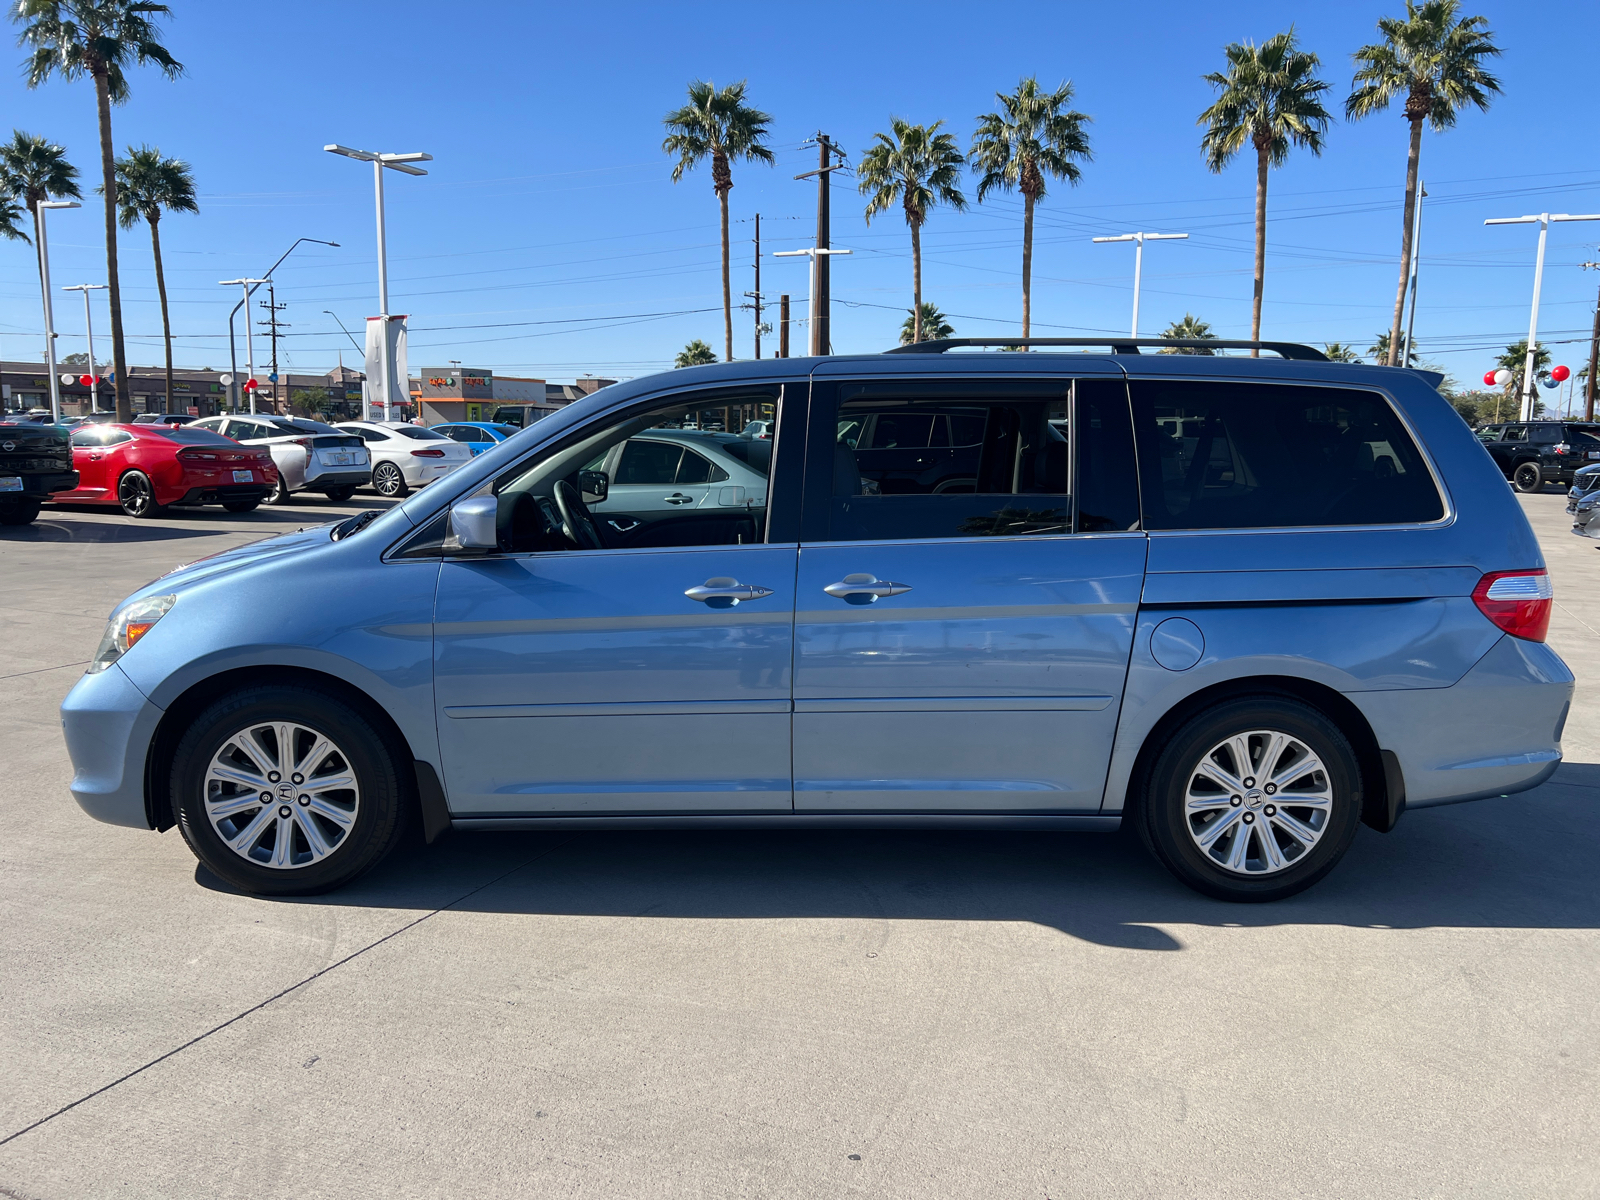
1517	601
191	454
427	454
1563	448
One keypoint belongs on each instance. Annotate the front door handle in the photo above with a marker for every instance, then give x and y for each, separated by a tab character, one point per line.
865	589
723	592
678	498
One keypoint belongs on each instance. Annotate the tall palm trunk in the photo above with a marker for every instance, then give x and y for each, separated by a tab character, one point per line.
727	292
1261	246
119	354
1027	262
916	282
1398	353
161	290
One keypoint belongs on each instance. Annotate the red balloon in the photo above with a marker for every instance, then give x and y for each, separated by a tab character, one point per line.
1488	377
1560	374
86	380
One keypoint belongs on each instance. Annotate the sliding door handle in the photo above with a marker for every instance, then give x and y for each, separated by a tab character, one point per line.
865	589
725	593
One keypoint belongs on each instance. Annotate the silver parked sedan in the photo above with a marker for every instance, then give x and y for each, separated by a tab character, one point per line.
310	456
406	456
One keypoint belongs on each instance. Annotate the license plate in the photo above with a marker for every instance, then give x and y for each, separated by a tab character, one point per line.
10	483
244	476
338	458
1594	454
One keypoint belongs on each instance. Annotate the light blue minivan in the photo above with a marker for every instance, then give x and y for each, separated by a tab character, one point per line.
1241	604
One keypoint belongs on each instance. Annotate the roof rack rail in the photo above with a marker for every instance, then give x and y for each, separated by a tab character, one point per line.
1119	345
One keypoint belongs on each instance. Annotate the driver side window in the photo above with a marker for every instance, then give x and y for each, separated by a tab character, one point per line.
656	478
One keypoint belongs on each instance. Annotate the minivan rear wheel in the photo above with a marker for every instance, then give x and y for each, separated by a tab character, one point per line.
1528	477
1253	800
287	791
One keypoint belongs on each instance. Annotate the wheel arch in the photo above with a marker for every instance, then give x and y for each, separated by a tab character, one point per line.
1382	792
181	713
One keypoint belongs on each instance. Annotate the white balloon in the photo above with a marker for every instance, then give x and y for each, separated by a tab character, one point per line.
65	378
225	380
1502	377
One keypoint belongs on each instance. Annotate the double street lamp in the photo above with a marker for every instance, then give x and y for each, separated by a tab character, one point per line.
88	326
49	313
233	354
1138	240
249	285
393	162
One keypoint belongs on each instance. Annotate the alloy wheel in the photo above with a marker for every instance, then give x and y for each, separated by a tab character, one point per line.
1256	803
135	495
387	480
282	795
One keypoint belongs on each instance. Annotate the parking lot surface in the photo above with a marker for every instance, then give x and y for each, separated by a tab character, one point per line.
809	1015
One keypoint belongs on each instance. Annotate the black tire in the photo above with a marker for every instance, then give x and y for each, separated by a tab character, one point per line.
389	480
241	506
280	494
14	511
136	496
1170	828
1528	477
384	802
340	494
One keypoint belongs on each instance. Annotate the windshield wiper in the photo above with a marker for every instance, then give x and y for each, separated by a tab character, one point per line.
356	523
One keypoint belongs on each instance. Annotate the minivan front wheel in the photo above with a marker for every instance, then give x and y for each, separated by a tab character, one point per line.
1528	477
1254	800
286	791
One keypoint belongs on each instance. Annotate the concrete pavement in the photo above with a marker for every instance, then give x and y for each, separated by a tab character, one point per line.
807	1015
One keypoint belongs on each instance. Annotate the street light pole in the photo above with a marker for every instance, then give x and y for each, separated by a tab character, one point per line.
1138	240
1543	220
394	162
49	314
1594	354
1416	272
88	326
248	285
815	254
233	353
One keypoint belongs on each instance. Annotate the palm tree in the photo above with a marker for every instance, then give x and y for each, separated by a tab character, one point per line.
1380	350
33	169
1435	57
928	324
1034	135
1515	360
919	167
1268	98
98	38
1339	352
147	184
695	354
720	126
1191	328
10	214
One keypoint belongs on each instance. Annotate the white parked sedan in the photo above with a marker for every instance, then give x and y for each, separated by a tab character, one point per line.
406	456
310	456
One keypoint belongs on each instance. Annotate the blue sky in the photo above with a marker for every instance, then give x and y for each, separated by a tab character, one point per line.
549	239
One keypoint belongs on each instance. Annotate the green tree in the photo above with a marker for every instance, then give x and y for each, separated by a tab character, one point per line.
1515	360
695	354
10	214
1435	59
100	39
33	169
313	401
1339	352
718	125
1191	328
917	167
147	185
1033	136
1269	97
1380	354
928	324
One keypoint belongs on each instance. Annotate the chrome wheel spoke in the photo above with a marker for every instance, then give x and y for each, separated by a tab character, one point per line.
245	742
1257	834
283	845
1218	776
314	839
344	818
1209	837
1239	849
244	841
343	781
223	773
314	757
229	806
280	831
1295	828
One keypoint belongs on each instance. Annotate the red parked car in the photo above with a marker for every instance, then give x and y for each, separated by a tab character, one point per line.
143	469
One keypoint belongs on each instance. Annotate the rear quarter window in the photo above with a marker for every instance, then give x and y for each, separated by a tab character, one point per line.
1262	456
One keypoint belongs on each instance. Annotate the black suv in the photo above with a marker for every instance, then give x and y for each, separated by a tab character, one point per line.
35	460
1534	453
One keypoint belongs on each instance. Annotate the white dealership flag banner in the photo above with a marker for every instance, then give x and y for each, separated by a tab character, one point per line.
386	360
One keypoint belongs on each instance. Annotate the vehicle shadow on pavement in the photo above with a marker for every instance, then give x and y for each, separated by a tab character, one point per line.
1524	861
67	530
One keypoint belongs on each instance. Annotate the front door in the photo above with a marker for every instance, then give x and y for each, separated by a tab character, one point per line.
583	680
97	457
963	630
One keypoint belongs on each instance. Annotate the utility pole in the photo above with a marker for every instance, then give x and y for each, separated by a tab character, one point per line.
1416	269
783	327
821	332
1594	354
272	323
755	296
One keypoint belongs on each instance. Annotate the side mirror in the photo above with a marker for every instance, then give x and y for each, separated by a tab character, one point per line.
472	524
595	485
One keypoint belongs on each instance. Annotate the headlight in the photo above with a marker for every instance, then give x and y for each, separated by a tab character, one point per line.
1589	501
126	628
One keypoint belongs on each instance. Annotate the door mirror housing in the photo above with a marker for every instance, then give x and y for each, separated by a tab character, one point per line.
472	525
595	485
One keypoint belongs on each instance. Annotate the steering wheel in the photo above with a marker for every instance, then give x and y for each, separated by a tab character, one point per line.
577	524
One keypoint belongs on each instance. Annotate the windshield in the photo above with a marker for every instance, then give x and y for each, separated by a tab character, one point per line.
421	434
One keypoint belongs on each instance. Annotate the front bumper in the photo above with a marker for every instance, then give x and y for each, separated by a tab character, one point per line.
109	725
1495	731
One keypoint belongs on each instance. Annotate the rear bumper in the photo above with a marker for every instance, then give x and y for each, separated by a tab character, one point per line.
41	487
324	480
1494	732
109	725
223	493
